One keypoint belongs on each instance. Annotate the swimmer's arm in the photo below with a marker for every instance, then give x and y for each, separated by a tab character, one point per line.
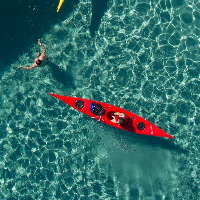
44	50
27	68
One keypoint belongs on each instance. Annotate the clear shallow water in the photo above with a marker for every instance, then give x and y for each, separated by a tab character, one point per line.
144	58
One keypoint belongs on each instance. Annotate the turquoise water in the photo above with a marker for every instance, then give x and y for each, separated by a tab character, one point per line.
144	58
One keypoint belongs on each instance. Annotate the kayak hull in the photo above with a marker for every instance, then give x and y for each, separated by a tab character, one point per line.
134	121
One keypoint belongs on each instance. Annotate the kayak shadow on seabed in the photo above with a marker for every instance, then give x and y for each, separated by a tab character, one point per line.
158	142
62	76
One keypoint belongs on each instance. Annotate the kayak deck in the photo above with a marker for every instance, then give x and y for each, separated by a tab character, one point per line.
134	123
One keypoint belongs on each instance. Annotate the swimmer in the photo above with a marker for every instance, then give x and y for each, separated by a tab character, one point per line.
38	60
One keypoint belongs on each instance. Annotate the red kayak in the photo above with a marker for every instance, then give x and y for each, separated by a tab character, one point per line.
104	112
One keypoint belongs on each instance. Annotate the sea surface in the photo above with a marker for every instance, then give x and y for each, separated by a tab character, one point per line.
143	56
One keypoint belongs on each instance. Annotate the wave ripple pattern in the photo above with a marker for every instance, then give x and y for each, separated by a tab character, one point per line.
144	58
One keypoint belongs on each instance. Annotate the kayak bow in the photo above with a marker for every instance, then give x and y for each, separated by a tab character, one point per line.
103	112
60	4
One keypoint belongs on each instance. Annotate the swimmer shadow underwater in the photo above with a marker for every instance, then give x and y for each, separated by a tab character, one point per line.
62	76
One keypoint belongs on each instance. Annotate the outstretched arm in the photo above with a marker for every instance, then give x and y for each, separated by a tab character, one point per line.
44	50
27	68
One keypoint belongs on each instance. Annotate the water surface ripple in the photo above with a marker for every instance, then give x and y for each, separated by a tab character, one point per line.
144	58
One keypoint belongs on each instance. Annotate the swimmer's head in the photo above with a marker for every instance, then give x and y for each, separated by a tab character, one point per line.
38	62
